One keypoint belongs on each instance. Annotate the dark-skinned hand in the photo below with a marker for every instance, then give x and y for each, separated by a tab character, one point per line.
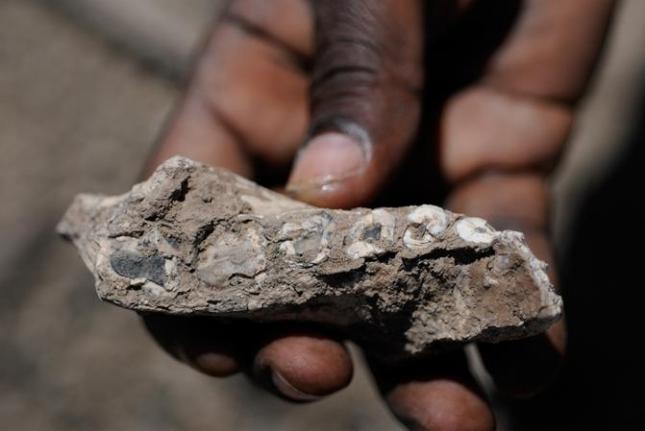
342	103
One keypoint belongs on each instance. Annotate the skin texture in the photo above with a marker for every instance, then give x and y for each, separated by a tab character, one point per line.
350	102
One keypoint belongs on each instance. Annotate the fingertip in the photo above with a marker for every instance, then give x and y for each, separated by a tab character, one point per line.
214	361
286	389
440	405
204	345
304	368
434	393
326	169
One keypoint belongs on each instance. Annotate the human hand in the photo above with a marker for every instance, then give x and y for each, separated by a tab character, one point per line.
400	102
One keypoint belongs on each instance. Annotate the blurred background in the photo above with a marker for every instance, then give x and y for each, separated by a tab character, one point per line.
85	86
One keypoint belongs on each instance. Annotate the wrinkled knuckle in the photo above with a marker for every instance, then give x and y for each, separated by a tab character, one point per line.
364	61
346	67
349	49
505	132
441	405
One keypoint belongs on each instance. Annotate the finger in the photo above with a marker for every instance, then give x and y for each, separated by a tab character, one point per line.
436	393
367	73
514	122
302	365
210	347
552	49
516	201
247	98
518	114
343	162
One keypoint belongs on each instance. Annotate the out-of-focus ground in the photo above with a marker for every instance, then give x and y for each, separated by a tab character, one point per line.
85	86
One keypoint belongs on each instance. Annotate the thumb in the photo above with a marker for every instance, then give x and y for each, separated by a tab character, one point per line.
366	82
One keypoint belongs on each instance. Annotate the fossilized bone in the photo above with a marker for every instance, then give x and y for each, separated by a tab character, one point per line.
197	240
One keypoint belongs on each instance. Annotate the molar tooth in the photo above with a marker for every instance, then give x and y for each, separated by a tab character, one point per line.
231	253
475	229
371	233
427	222
308	241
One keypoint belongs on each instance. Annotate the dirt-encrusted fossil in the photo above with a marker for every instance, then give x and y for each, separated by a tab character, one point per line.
197	240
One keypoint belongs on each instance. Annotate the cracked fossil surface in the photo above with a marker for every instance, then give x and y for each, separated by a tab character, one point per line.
197	240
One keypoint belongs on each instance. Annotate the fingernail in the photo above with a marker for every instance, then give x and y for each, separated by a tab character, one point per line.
288	390
327	160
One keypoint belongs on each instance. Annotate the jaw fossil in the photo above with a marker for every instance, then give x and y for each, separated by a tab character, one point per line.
197	240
